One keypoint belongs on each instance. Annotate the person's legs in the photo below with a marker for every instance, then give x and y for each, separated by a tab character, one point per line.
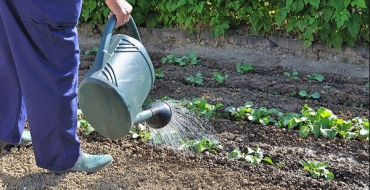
12	108
46	56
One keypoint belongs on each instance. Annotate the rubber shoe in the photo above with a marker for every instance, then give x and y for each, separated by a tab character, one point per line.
88	163
26	140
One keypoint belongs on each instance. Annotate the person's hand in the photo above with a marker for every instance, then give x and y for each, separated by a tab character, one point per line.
122	9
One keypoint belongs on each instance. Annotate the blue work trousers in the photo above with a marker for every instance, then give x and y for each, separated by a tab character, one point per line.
39	58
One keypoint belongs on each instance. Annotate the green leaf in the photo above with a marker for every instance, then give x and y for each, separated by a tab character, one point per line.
288	3
89	129
353	28
315	3
303	93
346	3
315	95
304	131
327	13
235	154
316	130
337	41
361	3
268	160
329	176
349	135
329	133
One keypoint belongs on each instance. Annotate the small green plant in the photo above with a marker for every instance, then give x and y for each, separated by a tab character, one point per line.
159	73
93	50
220	78
362	127
367	85
197	79
81	122
140	132
305	94
317	169
201	107
244	67
316	76
202	145
293	75
190	59
256	115
324	123
252	156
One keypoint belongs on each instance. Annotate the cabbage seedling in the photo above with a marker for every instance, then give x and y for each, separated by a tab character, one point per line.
317	169
293	75
244	67
316	76
197	79
158	73
220	78
252	156
306	95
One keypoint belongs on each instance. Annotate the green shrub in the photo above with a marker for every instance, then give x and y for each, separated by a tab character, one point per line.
330	21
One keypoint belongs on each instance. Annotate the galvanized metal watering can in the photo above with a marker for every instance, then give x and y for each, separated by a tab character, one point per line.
112	93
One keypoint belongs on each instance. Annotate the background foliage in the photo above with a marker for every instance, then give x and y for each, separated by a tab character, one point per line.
334	22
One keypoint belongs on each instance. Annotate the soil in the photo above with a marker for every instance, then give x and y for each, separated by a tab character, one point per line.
140	165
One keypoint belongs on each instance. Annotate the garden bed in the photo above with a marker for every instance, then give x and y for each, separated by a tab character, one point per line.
140	165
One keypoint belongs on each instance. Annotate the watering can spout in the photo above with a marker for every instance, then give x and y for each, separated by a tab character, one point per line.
157	115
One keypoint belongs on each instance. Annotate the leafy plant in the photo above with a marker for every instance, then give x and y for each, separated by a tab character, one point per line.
82	123
293	75
94	12
158	73
202	145
244	67
305	94
197	79
316	76
201	107
220	78
367	85
317	169
140	132
252	156
93	50
190	59
362	127
259	115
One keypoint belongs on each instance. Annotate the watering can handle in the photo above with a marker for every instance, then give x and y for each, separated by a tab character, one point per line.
109	27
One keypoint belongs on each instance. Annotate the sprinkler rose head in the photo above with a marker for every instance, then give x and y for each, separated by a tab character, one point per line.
161	115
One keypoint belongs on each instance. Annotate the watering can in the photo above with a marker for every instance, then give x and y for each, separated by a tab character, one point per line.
112	93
